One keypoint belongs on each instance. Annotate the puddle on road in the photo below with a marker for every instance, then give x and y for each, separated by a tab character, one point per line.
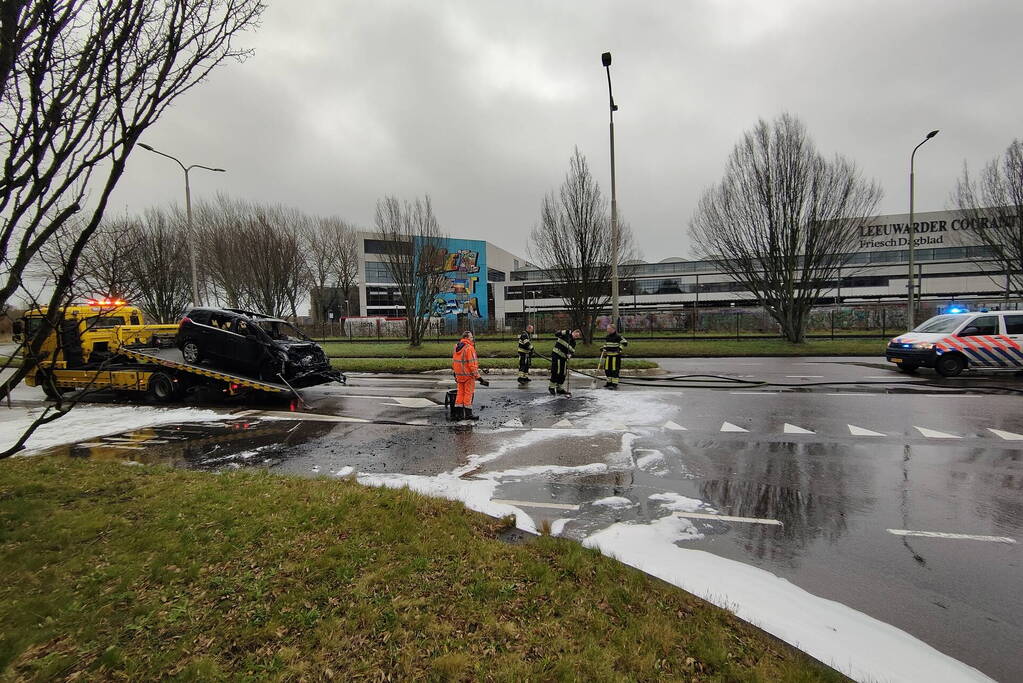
210	446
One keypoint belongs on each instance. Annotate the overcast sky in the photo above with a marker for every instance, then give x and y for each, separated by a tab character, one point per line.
479	104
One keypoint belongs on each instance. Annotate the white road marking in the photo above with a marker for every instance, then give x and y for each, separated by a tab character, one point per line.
805	376
941	534
513	423
528	504
852	393
1008	436
619	427
414	402
562	423
934	434
674	426
312	417
729	427
793	429
419	423
860	431
754	393
726	518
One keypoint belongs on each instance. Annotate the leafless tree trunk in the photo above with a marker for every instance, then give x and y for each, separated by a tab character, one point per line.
80	82
993	205
333	264
158	265
411	236
783	220
573	243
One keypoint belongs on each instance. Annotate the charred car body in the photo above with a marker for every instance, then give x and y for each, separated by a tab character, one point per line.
253	344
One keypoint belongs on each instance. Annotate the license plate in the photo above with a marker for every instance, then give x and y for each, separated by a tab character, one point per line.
896	360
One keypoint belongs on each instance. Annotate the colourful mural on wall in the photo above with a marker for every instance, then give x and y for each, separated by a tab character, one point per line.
463	264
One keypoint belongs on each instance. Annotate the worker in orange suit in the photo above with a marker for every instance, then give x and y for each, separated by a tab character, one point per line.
466	367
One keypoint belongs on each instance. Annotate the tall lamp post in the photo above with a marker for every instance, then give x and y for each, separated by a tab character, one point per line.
605	59
188	211
911	306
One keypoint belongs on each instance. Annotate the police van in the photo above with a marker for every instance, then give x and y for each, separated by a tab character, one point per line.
953	342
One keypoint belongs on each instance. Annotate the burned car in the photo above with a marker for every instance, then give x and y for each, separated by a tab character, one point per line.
253	344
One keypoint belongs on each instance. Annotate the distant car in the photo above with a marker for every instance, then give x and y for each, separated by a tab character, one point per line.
951	343
254	345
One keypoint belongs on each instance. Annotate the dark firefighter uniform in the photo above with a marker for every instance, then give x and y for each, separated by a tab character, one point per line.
564	348
525	355
613	345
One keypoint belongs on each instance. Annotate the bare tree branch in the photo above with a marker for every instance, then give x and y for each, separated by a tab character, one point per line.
783	221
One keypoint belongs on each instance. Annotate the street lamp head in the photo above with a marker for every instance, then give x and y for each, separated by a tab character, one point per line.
221	170
145	146
605	59
931	134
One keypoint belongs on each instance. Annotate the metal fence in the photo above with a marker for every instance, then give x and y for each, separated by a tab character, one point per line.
836	321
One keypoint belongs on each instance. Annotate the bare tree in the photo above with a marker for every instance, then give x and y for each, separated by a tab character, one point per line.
80	82
783	221
226	260
993	205
157	265
333	262
102	267
254	255
413	256
574	244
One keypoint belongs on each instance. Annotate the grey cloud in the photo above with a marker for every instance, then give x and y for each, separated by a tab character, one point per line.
480	103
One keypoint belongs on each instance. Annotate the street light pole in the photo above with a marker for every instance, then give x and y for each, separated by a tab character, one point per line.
910	286
188	213
605	59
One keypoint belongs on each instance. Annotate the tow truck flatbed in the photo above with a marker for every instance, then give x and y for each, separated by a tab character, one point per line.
172	358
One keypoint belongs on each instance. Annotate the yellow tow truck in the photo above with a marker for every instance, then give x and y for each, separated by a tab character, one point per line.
106	344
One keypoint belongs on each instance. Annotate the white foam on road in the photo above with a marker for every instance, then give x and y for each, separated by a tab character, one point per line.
614	502
85	423
674	501
959	537
852	642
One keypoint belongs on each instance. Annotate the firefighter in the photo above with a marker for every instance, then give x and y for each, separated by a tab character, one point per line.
466	367
564	348
613	344
526	353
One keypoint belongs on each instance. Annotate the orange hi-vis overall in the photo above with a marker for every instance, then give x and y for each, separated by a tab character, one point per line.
466	367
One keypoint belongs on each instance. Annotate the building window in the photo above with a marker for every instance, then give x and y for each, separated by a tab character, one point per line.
385	247
382	297
377	271
495	275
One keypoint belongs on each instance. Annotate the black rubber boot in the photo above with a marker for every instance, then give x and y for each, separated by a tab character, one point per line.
469	416
457	414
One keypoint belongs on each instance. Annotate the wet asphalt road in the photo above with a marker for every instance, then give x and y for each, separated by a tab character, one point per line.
837	466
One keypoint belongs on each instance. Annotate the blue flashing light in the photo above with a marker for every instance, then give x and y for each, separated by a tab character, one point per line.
956	309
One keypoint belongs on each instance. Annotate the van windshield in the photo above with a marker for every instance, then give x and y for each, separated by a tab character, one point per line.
280	330
941	324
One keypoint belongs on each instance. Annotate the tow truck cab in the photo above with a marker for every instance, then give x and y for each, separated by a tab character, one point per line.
953	342
84	336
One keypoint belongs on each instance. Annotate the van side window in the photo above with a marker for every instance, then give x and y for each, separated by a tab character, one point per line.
221	321
1014	324
985	325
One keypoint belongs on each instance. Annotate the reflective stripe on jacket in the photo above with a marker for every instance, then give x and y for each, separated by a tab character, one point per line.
614	343
463	361
525	343
564	344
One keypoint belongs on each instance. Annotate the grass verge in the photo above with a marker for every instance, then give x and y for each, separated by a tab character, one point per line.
402	365
145	573
658	348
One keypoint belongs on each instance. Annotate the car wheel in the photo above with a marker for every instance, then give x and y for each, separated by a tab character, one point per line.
190	351
950	366
908	368
161	387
